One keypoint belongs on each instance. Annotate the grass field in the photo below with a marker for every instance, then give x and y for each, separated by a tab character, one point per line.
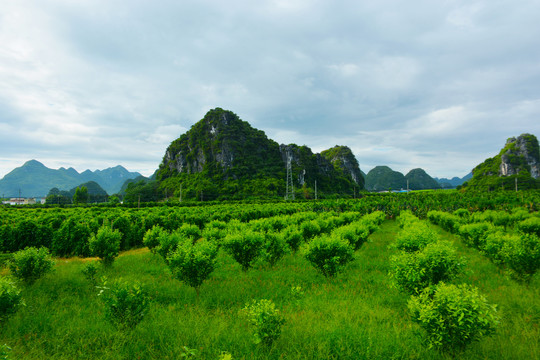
357	315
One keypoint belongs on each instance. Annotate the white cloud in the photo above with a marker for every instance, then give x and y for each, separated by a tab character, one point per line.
437	85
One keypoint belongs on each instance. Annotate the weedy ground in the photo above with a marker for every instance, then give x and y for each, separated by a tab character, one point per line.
356	315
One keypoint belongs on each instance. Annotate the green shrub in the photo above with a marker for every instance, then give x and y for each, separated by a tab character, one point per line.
10	299
266	319
274	248
474	234
168	243
453	316
105	244
415	238
530	226
522	256
310	229
193	263
30	264
293	237
494	244
244	247
405	218
151	237
71	239
189	231
329	254
90	271
126	304
412	272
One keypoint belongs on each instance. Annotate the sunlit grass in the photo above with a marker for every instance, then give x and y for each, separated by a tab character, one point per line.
357	315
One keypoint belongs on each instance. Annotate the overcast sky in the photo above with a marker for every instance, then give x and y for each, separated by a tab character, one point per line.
438	84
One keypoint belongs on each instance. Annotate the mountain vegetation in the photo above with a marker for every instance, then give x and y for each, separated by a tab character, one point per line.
34	179
516	165
382	178
223	157
453	182
419	180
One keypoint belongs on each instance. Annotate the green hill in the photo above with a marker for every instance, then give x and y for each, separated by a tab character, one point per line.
223	157
382	178
419	180
517	164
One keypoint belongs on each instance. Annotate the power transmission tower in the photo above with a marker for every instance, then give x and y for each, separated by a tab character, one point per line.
289	195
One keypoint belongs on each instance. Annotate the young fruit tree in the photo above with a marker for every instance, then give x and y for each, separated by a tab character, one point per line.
105	244
193	263
30	264
453	316
329	254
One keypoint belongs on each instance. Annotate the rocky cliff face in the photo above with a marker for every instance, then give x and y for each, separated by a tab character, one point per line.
521	153
342	158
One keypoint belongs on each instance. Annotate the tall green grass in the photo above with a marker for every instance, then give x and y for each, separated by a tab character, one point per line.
357	315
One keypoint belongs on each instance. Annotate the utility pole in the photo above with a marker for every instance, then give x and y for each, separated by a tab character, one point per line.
516	184
315	189
180	192
139	202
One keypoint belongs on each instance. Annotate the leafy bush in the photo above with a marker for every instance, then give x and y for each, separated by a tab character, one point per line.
244	247
453	316
293	237
10	298
405	218
412	272
105	244
71	239
190	231
30	264
193	263
530	226
474	234
414	238
494	244
168	243
329	254
274	248
151	237
90	271
310	229
522	255
126	304
266	319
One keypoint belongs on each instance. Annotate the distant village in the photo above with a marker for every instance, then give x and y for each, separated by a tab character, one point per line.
24	201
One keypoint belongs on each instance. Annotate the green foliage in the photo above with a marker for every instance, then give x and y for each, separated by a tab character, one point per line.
90	272
453	316
274	248
190	231
266	319
530	226
81	195
474	234
168	243
30	264
293	236
244	247
105	244
193	263
72	239
415	237
10	299
126	303
152	236
329	254
436	262
522	255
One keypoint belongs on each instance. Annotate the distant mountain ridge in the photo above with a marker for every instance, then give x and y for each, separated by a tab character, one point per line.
383	178
33	179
